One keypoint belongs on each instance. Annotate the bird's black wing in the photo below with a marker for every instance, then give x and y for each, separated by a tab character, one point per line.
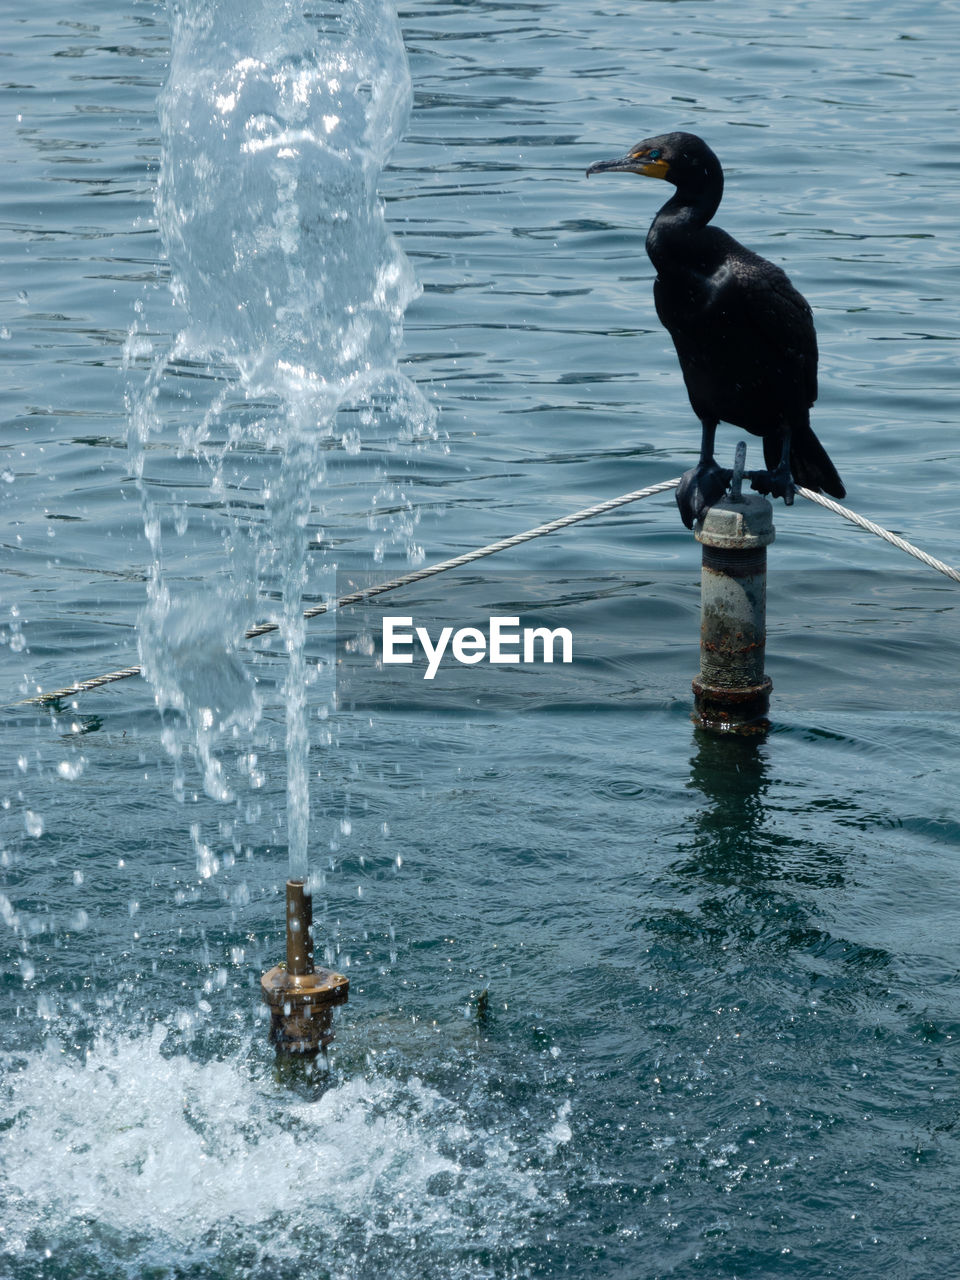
768	320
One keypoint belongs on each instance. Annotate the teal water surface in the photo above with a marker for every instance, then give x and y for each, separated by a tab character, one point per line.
720	1031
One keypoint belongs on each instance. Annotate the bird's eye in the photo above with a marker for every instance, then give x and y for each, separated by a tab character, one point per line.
654	154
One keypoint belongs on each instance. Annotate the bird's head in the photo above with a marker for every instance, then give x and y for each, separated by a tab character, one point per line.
675	157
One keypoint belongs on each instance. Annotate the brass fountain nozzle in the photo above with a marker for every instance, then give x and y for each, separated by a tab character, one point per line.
301	997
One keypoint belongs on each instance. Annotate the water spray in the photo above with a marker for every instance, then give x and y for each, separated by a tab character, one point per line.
276	123
301	997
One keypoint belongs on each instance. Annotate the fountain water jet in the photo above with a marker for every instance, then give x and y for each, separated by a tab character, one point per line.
276	124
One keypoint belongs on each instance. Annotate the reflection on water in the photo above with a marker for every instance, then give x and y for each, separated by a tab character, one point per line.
745	839
760	882
731	771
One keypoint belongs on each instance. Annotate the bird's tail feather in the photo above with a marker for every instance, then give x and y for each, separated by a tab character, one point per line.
811	465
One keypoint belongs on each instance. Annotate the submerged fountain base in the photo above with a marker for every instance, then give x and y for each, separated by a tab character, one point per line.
301	998
301	1008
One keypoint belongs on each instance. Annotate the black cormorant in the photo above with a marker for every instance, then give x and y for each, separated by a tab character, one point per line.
744	335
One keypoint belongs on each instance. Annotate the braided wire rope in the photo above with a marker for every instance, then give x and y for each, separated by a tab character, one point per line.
893	538
406	579
505	544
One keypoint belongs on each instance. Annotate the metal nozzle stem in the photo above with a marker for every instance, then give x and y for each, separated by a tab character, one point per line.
299	929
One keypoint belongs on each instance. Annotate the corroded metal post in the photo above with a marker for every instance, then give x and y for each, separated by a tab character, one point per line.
301	997
299	929
732	692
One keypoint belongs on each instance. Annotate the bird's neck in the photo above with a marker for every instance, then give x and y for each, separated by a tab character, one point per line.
675	236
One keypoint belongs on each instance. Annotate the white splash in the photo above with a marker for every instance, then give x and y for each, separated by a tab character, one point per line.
169	1152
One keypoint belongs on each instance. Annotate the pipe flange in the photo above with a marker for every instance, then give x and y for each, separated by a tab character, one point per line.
742	710
301	1007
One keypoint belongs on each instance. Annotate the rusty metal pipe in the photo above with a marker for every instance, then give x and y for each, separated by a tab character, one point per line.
299	929
732	692
301	997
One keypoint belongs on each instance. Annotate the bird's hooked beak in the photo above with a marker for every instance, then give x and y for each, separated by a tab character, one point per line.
637	161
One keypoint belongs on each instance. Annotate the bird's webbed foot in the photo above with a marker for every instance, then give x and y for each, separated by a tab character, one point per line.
700	488
779	483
